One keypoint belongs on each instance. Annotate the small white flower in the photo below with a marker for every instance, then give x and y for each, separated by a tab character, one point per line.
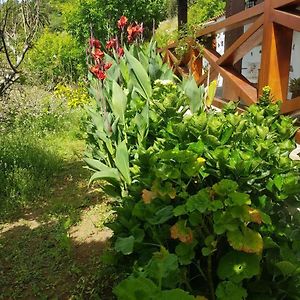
163	82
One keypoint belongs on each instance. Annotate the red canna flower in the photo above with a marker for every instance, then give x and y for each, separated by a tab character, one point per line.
111	44
107	66
98	54
134	31
96	70
122	22
101	75
95	43
120	52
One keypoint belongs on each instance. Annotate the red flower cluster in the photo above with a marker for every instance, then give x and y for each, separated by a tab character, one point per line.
122	22
112	44
99	67
134	31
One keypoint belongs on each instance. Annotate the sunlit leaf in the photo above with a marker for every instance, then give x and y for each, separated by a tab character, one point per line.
211	92
122	161
246	240
119	101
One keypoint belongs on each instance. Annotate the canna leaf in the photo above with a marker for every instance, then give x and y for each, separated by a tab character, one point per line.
122	161
96	164
194	93
119	102
211	92
110	173
143	83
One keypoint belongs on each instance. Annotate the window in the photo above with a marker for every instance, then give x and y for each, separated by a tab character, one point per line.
250	3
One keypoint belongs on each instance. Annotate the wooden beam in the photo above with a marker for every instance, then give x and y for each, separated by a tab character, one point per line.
241	85
297	137
250	39
245	17
281	3
276	55
289	106
212	76
286	19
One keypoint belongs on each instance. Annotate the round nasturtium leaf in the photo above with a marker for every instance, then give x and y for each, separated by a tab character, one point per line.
237	266
125	245
229	290
246	240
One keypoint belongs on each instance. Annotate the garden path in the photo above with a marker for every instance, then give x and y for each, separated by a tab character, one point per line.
52	251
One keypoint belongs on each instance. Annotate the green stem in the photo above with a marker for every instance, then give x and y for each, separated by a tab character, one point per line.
200	270
210	278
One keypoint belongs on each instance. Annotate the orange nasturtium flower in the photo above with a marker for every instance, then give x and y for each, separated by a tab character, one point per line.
181	232
147	196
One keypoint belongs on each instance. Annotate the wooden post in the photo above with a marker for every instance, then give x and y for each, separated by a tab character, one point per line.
276	55
232	7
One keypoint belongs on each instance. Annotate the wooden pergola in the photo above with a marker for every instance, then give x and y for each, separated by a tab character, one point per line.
272	25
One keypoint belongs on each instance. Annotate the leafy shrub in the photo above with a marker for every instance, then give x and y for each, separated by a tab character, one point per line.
213	192
232	232
56	57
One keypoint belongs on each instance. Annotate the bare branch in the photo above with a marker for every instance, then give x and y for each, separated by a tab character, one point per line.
19	25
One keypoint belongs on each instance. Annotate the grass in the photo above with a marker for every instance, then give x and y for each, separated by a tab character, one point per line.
52	229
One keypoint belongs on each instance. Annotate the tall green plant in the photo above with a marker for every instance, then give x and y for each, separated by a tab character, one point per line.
128	106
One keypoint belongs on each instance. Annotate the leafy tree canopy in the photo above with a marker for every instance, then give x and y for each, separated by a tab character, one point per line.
102	15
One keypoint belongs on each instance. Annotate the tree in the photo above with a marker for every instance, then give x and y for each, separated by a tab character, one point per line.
182	13
20	22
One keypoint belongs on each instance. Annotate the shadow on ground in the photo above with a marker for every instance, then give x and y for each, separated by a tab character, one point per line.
46	263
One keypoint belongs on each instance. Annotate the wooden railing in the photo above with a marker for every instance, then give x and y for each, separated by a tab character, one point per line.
272	25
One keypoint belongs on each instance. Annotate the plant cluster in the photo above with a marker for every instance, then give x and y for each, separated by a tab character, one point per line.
75	96
208	199
294	87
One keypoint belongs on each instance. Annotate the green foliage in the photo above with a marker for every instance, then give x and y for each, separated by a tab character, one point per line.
103	15
203	10
212	216
56	57
213	190
28	159
199	12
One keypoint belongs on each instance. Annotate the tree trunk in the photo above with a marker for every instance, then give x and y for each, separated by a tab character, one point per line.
182	13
